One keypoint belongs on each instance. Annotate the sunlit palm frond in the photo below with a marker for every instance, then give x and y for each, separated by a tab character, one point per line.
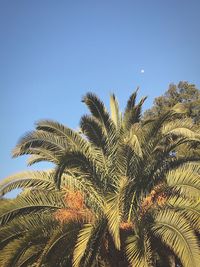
114	110
185	179
29	202
134	143
81	245
177	234
40	179
40	139
114	211
72	138
139	251
88	244
189	208
153	127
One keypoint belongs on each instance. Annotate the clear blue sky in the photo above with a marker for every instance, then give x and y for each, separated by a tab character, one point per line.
53	52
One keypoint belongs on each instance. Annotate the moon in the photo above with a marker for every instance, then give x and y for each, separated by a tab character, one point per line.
142	71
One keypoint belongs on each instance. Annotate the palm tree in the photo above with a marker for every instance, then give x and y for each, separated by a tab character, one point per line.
124	192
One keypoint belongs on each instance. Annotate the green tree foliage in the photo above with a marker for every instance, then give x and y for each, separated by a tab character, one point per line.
183	92
123	192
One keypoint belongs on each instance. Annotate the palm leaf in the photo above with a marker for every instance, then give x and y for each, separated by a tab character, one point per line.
185	179
24	224
133	115
27	179
89	243
138	251
190	209
131	101
93	130
40	139
72	138
30	202
81	244
178	235
114	109
98	110
114	211
68	233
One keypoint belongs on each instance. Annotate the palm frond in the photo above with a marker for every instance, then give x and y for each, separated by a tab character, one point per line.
40	179
72	138
178	235
93	131
131	101
138	251
40	139
38	155
190	209
98	110
81	244
29	202
89	243
114	210
114	109
24	224
12	253
66	234
30	256
185	179
87	166
156	125
183	132
134	142
133	115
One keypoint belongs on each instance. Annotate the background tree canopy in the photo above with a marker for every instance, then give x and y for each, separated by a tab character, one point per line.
183	92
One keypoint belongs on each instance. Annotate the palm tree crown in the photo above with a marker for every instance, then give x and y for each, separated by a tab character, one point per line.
124	192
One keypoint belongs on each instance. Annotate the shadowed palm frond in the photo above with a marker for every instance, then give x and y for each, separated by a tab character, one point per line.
13	253
133	115
93	130
131	101
98	110
67	235
24	224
